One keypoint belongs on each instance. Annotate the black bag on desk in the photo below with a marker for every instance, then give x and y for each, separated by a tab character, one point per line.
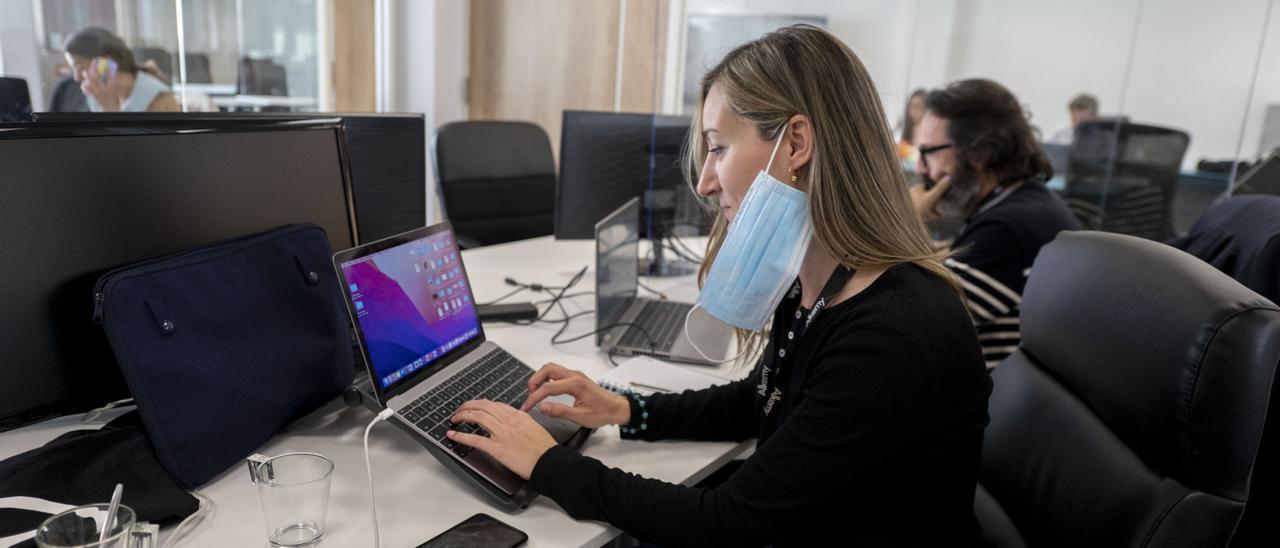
223	345
81	467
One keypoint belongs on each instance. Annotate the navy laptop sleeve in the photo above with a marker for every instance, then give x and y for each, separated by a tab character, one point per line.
223	345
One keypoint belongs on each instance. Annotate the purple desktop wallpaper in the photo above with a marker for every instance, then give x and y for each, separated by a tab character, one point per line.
412	304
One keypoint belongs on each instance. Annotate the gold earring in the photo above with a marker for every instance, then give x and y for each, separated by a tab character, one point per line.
793	175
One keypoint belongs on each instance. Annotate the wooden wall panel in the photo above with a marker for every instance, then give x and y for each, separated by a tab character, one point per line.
533	59
354	72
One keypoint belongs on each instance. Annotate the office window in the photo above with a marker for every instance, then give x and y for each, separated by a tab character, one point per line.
230	55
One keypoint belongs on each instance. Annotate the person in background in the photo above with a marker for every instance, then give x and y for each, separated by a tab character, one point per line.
910	119
980	161
1083	108
125	88
869	401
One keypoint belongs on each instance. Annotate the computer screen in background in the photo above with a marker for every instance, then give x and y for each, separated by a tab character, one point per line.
387	151
607	158
75	205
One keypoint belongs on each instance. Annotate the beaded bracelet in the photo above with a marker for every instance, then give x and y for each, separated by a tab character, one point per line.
644	415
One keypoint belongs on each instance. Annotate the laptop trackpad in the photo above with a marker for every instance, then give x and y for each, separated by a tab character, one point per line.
560	429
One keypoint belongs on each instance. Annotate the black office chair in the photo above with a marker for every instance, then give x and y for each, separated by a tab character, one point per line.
261	77
1122	177
1133	414
161	57
15	100
496	180
198	69
67	97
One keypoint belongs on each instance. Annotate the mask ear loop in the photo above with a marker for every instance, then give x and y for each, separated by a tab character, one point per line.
689	315
776	145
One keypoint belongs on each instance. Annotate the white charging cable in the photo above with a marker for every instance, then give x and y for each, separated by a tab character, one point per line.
688	315
204	510
92	415
368	467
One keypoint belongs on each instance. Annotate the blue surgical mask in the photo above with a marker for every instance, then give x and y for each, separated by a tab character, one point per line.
761	255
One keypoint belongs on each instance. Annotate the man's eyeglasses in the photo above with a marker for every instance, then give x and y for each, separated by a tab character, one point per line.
926	151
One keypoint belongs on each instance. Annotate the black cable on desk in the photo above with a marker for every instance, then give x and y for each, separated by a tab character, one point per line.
569	296
653	345
644	286
678	247
504	297
555	300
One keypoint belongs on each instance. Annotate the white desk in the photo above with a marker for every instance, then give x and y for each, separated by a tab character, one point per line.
261	101
211	90
418	498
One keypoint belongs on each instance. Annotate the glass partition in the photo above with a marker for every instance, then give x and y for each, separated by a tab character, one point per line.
212	55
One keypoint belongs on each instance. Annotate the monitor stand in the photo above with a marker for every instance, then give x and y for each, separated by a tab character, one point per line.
663	261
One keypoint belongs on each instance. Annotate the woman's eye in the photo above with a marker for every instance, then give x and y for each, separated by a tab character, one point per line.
717	150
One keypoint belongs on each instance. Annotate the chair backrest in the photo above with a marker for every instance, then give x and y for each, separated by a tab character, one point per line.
496	180
261	77
15	100
161	57
1133	413
197	69
67	97
1122	177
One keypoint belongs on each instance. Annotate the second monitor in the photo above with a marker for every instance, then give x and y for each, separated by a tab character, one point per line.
607	158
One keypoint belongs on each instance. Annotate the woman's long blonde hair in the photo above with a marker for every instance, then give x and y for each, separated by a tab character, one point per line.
862	215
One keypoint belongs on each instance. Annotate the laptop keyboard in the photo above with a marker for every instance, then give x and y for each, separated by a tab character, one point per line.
498	376
662	320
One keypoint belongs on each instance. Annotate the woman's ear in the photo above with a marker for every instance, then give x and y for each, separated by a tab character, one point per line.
800	141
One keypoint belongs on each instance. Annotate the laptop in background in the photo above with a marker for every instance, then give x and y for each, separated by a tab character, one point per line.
645	327
426	353
1059	157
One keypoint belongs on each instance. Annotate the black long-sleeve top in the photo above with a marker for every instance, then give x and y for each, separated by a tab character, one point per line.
875	442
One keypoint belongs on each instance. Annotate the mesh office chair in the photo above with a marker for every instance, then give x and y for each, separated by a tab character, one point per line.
261	77
1133	413
496	180
15	100
1123	176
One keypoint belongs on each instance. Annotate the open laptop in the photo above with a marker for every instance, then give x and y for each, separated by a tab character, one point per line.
644	326
425	350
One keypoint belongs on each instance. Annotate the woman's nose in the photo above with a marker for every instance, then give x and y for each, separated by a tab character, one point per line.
708	184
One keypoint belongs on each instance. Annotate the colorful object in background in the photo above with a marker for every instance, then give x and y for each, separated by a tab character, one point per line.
106	68
908	152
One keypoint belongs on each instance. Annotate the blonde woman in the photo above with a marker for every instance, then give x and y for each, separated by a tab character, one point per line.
870	398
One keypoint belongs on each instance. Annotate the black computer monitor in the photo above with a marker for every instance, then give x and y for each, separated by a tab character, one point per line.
607	158
77	202
387	152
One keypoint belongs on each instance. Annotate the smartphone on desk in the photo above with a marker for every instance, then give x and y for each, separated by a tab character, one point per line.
478	531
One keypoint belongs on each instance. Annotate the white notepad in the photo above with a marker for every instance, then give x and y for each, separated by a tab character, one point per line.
647	376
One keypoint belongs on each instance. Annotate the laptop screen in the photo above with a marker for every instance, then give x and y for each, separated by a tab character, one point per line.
617	272
413	306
